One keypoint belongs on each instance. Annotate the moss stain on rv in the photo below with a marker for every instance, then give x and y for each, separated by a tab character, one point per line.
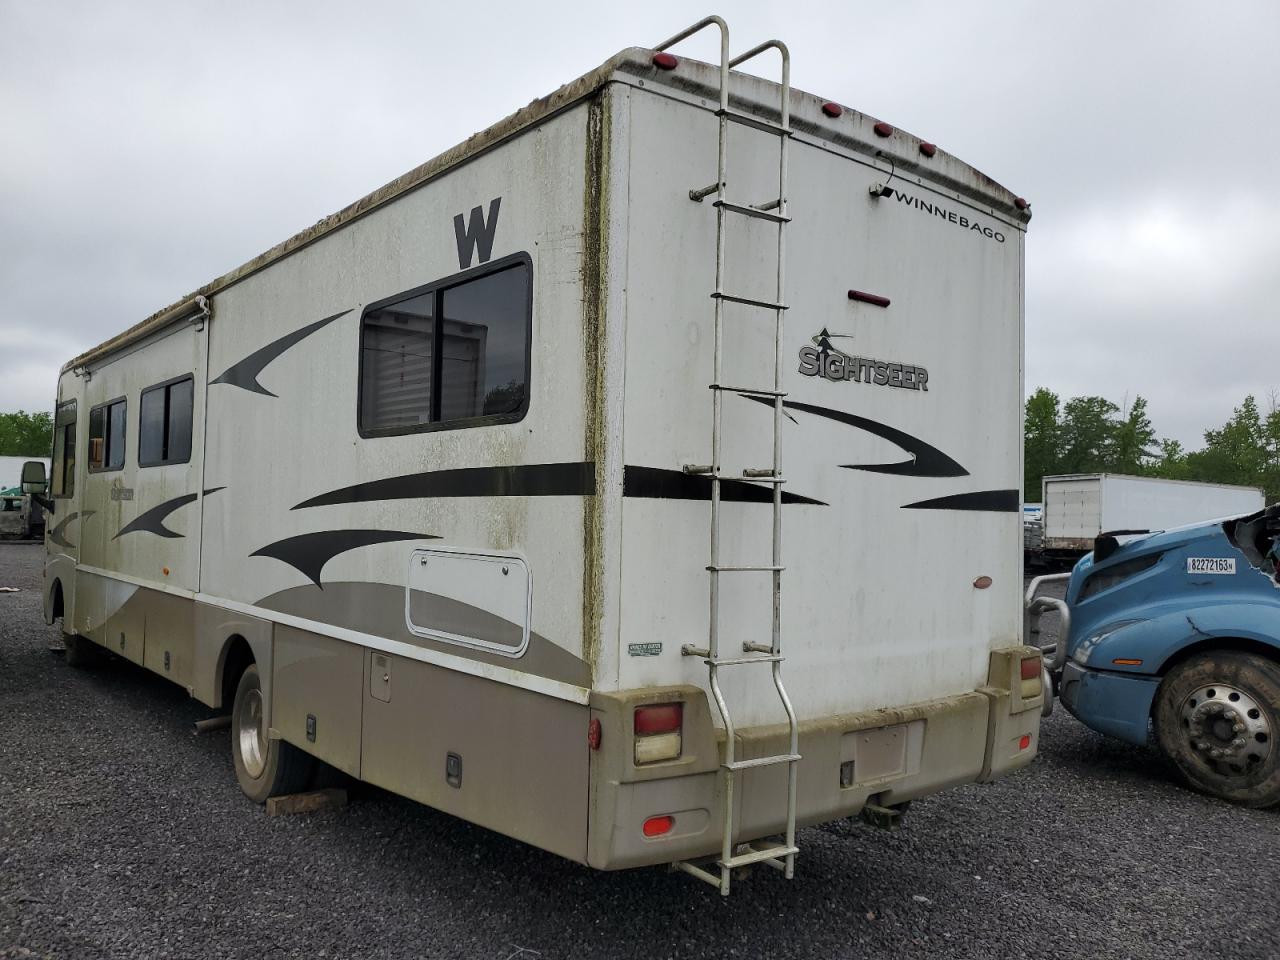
594	255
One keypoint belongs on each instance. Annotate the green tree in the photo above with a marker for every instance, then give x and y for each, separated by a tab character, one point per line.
25	434
1042	447
1235	452
1131	441
1088	434
1172	462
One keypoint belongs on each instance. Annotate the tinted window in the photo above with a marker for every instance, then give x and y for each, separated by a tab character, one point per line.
164	425
451	354
64	451
106	436
398	350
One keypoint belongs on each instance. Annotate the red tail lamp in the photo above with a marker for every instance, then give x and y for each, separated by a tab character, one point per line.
593	733
1024	742
658	826
832	109
883	129
658	733
1030	668
665	61
658	718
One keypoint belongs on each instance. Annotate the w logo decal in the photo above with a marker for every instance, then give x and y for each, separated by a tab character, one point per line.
476	234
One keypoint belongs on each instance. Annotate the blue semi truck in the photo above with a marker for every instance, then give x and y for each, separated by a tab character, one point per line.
1176	635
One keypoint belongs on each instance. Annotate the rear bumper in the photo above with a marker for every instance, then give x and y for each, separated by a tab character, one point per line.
1116	704
884	756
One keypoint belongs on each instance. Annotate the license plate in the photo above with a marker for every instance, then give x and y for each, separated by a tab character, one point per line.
1219	565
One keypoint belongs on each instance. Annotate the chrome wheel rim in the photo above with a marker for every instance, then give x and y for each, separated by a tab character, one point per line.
1228	730
250	733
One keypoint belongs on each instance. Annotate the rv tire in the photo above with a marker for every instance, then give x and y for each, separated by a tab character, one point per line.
1216	717
265	767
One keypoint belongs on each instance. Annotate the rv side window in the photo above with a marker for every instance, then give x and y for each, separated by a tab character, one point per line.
63	481
106	436
164	425
454	354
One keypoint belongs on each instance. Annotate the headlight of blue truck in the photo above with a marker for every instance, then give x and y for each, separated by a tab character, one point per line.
1086	646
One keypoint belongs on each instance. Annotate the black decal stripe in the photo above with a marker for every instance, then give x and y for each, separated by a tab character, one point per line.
245	373
926	460
152	521
56	533
994	501
656	483
533	480
309	552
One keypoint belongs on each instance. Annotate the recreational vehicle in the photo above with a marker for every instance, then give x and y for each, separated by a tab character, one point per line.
639	478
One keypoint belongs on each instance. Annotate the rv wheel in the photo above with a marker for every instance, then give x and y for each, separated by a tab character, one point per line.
80	653
1217	716
265	767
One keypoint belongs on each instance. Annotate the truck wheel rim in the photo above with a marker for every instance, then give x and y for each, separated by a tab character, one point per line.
1227	729
250	734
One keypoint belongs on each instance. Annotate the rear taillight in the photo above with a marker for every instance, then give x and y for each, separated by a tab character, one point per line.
1024	741
657	826
658	732
1029	674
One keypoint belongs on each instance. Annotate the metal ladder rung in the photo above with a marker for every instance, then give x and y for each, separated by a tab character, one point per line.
747	390
755	856
766	304
752	212
716	568
739	661
750	120
761	761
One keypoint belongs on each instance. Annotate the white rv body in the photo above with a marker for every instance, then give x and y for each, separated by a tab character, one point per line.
507	592
1078	507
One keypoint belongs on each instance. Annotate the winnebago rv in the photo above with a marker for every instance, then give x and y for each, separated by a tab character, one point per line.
532	487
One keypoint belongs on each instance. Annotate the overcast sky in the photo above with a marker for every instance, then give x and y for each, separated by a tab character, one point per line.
148	147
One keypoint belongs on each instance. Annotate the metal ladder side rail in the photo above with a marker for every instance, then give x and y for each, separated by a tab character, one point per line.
711	655
784	114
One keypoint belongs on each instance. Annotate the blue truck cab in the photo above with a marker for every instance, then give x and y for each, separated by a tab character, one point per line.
1179	632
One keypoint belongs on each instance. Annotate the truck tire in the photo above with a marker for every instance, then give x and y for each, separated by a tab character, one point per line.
80	652
264	767
1217	716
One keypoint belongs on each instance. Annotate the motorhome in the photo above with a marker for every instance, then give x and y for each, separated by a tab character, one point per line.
640	478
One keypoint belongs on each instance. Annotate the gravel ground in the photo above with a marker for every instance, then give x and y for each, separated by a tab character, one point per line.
122	835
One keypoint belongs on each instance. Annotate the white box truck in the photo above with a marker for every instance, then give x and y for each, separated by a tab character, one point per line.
477	489
1079	507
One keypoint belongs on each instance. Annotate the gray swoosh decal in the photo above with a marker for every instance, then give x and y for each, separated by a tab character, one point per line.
56	533
245	373
152	521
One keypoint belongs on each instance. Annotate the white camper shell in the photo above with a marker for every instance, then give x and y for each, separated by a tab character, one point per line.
426	491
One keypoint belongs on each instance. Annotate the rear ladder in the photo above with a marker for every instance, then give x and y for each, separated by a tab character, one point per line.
781	856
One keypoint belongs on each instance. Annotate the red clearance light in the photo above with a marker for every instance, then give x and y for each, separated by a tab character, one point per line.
657	826
832	109
1030	668
658	718
928	149
593	733
872	298
981	583
1025	741
1020	203
665	61
883	129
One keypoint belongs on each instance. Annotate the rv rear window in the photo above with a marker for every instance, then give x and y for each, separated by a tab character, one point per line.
164	425
451	354
106	436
